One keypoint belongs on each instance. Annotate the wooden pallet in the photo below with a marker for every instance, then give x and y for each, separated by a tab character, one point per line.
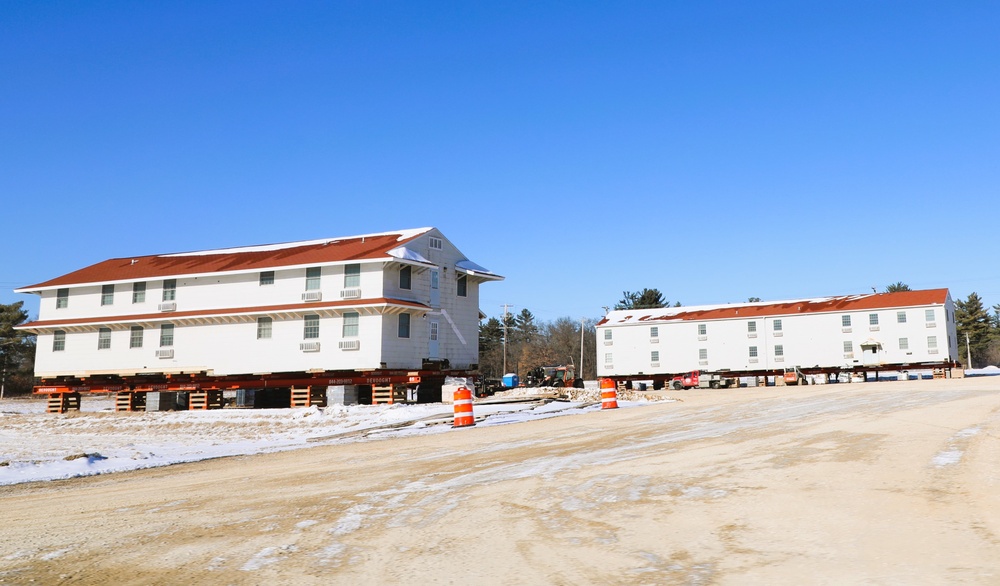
130	401
63	402
308	396
201	400
388	394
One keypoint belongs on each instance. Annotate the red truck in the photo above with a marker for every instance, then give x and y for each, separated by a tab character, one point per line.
699	380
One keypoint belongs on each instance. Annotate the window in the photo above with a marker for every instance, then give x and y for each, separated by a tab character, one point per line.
104	339
266	278
58	341
654	356
351	324
931	342
904	344
654	332
311	329
434	331
264	325
901	317
404	325
777	325
166	335
138	292
779	350
929	315
405	277
873	319
107	294
702	353
607	359
463	285
753	352
845	321
312	278
702	330
848	347
435	243
751	327
607	333
170	290
62	298
352	276
135	337
434	280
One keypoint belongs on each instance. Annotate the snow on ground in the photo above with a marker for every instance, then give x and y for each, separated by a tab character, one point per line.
35	445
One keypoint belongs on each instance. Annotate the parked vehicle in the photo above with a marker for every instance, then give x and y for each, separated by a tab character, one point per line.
794	376
699	380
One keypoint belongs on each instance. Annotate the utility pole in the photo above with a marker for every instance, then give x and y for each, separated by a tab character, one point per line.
583	322
968	351
505	307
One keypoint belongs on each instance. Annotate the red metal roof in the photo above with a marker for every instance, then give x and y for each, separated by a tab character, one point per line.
179	315
803	306
354	248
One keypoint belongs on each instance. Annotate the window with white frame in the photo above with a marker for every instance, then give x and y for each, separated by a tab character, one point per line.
753	352
751	327
264	328
58	341
607	359
435	279
873	319
607	333
266	278
654	356
777	325
901	317
929	315
932	342
463	285
845	321
404	325
135	337
779	350
166	335
104	339
351	319
702	329
405	277
170	290
436	243
62	298
138	292
107	294
434	331
310	330
904	344
702	353
848	347
654	332
313	278
352	276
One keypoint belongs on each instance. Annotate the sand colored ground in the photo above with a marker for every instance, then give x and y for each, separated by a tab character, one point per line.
878	483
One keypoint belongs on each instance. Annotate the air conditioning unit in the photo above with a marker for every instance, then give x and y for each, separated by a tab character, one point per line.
168	306
846	330
609	343
752	335
873	328
703	362
165	353
654	364
848	354
932	350
779	358
932	324
350	294
702	338
654	340
312	296
753	361
309	346
350	344
778	334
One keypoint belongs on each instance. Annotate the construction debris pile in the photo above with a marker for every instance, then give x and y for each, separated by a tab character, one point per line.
573	394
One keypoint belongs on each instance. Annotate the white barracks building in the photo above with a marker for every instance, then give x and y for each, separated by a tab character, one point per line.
360	304
909	329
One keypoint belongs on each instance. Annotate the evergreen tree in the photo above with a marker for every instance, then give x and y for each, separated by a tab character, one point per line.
897	287
645	299
972	319
17	350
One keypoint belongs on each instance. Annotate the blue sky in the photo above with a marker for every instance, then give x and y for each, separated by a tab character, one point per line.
712	150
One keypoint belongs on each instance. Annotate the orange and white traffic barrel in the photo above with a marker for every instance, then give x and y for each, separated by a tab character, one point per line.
609	395
463	408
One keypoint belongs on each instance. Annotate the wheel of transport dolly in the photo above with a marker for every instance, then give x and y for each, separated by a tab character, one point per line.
677	385
714	384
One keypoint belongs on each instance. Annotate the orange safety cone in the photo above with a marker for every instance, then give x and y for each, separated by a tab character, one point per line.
609	395
463	408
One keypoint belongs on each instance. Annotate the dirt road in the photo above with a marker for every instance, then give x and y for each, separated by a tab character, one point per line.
887	483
